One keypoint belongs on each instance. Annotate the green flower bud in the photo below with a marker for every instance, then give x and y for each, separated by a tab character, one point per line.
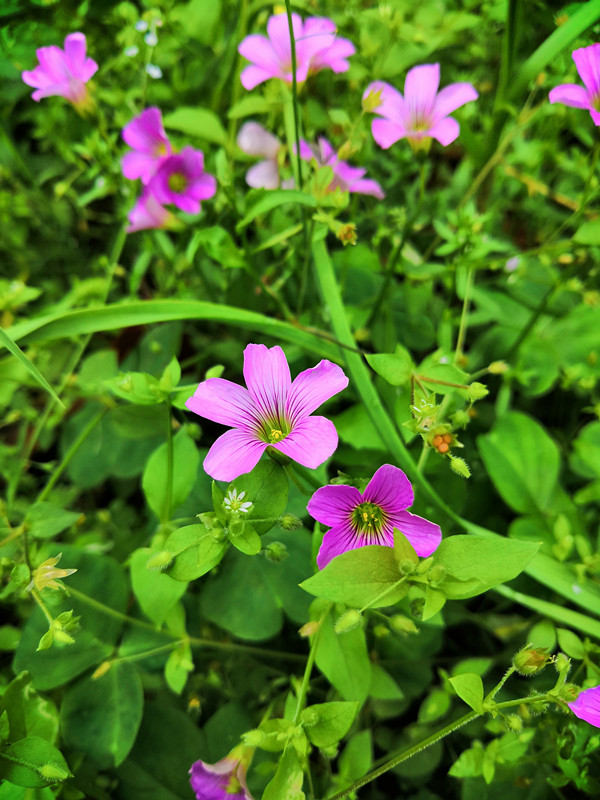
348	621
253	738
562	664
53	774
402	625
289	522
159	562
531	660
460	466
436	575
407	567
380	631
310	717
477	391
276	552
514	723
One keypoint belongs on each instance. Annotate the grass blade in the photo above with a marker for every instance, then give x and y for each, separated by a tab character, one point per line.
14	348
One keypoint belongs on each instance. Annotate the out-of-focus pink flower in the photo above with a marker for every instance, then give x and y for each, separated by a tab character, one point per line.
272	412
146	135
316	44
345	177
225	780
370	518
587	61
63	72
255	140
587	705
422	112
180	179
148	213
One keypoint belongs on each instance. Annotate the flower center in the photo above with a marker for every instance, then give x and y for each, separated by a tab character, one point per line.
275	435
368	519
177	182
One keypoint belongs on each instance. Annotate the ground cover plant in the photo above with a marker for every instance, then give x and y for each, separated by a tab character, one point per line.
300	409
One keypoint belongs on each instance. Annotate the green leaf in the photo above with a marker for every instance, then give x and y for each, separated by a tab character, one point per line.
244	538
219	245
185	469
474	564
6	340
195	552
274	198
522	461
358	577
395	368
197	122
46	520
403	549
469	764
155	592
101	717
588	233
469	687
139	421
570	643
326	723
383	686
33	762
357	757
266	487
437	375
178	668
288	780
249	106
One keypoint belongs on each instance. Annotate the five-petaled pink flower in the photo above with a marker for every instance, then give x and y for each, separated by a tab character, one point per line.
63	72
272	412
146	136
225	780
316	44
422	113
587	61
587	706
180	179
370	518
345	177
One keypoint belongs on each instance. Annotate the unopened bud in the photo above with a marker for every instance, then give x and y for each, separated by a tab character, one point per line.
562	664
289	522
514	723
372	101
309	628
347	234
477	390
346	151
531	660
160	561
460	466
380	631
53	774
348	621
101	670
407	567
310	717
436	575
253	738
401	624
497	367
276	552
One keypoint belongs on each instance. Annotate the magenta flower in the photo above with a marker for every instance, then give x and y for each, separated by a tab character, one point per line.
587	61
180	179
370	518
272	412
63	72
345	177
146	135
587	705
255	140
316	46
225	780
148	213
423	112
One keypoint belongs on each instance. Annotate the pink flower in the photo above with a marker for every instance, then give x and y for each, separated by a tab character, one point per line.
587	705
225	780
317	48
63	72
423	112
180	179
146	135
255	140
148	213
370	518
345	177
272	412
587	61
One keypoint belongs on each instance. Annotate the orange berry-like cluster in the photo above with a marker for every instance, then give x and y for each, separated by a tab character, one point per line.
442	442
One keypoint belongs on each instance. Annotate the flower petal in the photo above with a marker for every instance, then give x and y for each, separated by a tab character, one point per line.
445	131
595	116
390	489
570	94
233	454
333	505
267	377
312	388
264	175
587	61
75	48
146	132
424	536
224	402
587	706
453	97
139	165
255	140
259	50
251	76
420	90
367	186
391	104
278	31
54	63
312	441
385	132
336	541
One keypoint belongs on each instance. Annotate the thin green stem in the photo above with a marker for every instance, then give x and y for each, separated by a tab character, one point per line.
36	596
308	668
169	487
462	329
68	456
288	9
163	648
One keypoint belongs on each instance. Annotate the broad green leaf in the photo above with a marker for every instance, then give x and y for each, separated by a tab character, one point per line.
46	520
435	600
140	422
178	668
470	762
248	106
403	549
383	686
155	592
474	564
437	375
326	723
357	757
219	245
274	198
185	469
563	578
522	461
266	487
469	687
138	388
570	643
367	576
14	348
395	368
196	122
101	717
588	233
10	791
195	552
288	780
12	701
342	659
244	538
434	706
585	460
33	762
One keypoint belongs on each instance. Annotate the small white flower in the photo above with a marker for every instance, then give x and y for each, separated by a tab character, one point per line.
151	39
141	25
132	51
154	71
233	502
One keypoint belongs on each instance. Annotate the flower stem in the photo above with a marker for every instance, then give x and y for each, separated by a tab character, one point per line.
288	9
309	665
169	487
462	329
